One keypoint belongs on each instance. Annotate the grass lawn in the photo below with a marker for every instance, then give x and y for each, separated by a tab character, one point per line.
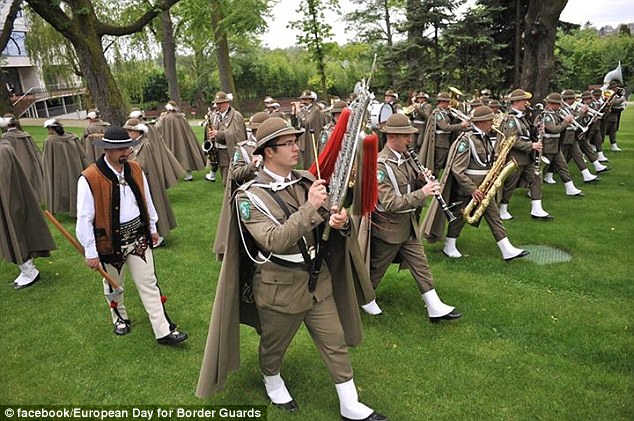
548	342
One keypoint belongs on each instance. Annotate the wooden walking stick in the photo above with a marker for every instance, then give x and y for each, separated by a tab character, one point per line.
117	289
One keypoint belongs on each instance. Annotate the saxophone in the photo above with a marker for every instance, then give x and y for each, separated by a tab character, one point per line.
493	180
209	145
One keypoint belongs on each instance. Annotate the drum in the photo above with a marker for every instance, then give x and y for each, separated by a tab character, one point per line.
379	113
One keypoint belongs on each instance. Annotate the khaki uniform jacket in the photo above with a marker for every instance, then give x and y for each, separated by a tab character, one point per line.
554	125
522	149
30	157
438	131
24	233
400	199
472	153
569	136
231	129
233	303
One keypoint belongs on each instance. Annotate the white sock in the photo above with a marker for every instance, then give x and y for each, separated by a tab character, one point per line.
372	308
435	307
349	404
276	389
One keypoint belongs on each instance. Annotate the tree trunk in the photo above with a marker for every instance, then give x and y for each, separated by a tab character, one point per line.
539	45
101	83
227	83
169	57
518	44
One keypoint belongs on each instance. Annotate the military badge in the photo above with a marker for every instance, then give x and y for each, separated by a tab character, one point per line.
462	146
547	119
438	116
236	156
380	176
511	123
245	210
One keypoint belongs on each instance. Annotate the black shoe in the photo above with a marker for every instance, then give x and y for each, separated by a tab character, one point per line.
606	169
522	254
122	327
288	406
173	338
580	194
451	316
548	217
593	181
375	416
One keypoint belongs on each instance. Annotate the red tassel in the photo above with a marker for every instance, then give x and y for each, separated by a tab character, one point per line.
114	304
370	185
328	157
163	299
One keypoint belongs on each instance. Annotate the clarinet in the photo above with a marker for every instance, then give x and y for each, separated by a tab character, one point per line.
443	205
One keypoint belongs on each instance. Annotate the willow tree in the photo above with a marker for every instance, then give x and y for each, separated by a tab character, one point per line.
78	22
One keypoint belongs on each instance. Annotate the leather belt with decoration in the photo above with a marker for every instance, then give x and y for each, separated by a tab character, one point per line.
131	231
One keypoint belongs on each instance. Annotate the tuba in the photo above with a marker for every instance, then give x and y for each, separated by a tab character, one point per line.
493	180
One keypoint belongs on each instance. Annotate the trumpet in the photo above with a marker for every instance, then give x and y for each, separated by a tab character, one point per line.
425	172
567	110
459	114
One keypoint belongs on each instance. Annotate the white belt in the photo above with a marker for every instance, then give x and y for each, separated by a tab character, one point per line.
469	171
418	122
552	136
221	146
572	128
293	258
442	132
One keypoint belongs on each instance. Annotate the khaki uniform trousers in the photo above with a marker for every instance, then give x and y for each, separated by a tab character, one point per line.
527	172
491	215
324	326
572	151
411	254
559	165
142	273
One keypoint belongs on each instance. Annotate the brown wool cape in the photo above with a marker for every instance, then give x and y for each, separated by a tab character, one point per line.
30	157
181	140
24	233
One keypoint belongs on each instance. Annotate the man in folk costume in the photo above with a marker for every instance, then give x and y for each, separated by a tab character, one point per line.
27	152
281	215
470	160
244	167
172	169
116	225
438	135
147	154
63	160
94	130
554	126
517	123
308	116
181	140
394	233
24	234
228	129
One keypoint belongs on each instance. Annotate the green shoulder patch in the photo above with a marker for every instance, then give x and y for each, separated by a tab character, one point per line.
439	116
245	210
380	176
511	123
462	146
547	119
236	156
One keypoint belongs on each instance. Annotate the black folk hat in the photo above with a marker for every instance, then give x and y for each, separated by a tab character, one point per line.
115	138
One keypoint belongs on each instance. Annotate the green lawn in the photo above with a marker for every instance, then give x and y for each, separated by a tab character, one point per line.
549	342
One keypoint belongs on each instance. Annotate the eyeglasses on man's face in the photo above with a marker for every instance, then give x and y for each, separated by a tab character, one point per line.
288	143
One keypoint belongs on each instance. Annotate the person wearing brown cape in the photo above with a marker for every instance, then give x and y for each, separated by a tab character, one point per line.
181	140
439	132
471	158
63	161
24	234
244	167
27	152
94	130
280	298
148	155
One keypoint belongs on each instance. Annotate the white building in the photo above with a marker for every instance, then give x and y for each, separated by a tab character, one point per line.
30	94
